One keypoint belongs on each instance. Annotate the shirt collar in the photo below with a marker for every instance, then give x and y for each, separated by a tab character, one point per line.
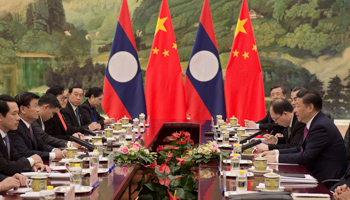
26	123
42	123
291	121
309	123
3	134
74	107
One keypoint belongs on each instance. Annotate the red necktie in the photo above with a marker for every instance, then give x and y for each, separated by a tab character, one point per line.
31	131
62	121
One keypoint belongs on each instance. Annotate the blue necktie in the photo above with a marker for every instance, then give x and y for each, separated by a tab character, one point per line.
93	114
7	145
77	115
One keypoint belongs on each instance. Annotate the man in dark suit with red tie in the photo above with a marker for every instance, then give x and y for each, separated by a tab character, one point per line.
11	161
24	139
56	126
73	113
322	149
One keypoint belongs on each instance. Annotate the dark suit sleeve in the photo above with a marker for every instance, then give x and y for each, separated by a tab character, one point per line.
46	138
298	134
99	118
317	143
16	164
19	144
2	177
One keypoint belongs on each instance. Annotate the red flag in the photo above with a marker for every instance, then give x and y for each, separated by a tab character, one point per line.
164	90
244	86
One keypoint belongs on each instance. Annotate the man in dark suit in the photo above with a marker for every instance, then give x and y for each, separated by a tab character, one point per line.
24	139
322	149
282	113
56	126
267	124
48	106
11	161
73	113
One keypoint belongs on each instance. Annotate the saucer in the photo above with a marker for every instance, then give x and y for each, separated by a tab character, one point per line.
253	170
242	162
261	187
30	195
234	174
64	189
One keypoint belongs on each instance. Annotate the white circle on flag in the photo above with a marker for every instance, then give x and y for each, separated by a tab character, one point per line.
122	66
204	66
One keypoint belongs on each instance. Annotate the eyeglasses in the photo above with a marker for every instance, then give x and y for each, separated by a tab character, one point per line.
36	106
78	95
63	98
275	120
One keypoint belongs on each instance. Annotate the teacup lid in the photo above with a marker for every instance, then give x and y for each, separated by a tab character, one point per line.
71	148
118	123
108	129
38	176
74	160
271	175
97	136
98	144
260	158
125	117
241	128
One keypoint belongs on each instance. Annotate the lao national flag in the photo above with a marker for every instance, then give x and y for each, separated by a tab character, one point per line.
244	86
123	89
203	83
164	90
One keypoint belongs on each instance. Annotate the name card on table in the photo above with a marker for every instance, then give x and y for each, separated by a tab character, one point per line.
94	177
70	194
111	164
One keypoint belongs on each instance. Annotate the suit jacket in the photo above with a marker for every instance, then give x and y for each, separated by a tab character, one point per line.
13	164
2	177
324	150
344	180
55	128
48	139
268	124
88	113
25	145
71	119
297	133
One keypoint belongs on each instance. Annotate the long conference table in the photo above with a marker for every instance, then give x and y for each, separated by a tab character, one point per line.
113	185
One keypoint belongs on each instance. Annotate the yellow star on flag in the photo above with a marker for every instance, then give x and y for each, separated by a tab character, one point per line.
246	55
174	46
240	26
155	50
254	48
165	53
235	53
160	25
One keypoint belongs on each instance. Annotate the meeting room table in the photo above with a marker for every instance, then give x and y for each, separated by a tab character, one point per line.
113	185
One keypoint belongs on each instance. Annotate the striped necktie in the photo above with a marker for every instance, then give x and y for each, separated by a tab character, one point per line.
7	145
306	131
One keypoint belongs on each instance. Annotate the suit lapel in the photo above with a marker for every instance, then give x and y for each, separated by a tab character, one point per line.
26	133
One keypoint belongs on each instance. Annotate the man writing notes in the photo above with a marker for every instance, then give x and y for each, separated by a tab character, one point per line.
281	112
24	139
276	92
322	149
10	161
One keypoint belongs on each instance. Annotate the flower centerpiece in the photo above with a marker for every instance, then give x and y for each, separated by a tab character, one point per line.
206	152
170	176
133	152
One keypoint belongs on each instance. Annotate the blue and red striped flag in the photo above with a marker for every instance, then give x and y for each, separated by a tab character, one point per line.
203	84
123	89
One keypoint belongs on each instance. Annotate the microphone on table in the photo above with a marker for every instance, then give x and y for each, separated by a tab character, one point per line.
250	137
251	144
89	146
94	134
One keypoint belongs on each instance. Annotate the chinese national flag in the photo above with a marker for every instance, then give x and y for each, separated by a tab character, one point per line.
164	89
244	87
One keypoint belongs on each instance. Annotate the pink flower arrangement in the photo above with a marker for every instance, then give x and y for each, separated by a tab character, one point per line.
124	150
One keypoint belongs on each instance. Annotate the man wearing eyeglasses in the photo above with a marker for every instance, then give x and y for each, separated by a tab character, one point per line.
281	112
72	113
276	92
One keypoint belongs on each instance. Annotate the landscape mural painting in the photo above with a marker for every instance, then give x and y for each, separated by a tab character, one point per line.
300	42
